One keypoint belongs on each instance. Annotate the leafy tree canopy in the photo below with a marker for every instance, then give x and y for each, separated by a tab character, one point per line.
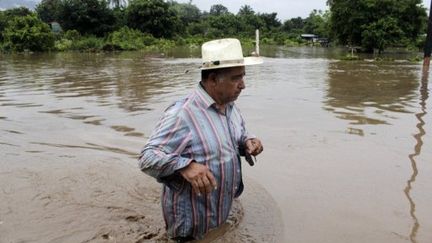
383	22
246	10
10	14
218	9
49	10
187	12
154	17
28	33
87	16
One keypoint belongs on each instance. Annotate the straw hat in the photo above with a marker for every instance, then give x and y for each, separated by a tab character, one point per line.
225	53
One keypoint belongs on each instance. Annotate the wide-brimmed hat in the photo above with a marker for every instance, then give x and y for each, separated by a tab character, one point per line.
225	53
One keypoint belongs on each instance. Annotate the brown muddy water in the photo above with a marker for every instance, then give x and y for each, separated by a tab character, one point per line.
347	155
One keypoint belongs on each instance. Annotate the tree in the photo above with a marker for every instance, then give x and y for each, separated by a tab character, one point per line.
380	34
49	10
270	20
93	17
249	21
359	22
154	17
294	25
187	12
317	23
15	12
246	10
28	33
9	14
223	25
218	9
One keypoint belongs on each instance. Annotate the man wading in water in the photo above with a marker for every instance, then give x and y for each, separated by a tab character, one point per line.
196	146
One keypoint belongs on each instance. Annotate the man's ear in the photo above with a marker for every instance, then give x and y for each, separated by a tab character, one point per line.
213	79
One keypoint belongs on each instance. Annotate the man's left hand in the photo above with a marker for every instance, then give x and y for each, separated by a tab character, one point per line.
254	146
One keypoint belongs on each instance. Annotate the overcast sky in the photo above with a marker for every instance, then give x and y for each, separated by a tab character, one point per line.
285	9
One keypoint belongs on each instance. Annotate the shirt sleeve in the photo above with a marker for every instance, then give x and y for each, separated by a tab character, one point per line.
245	135
162	156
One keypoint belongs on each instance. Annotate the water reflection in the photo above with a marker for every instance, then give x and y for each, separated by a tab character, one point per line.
424	94
368	93
126	80
302	52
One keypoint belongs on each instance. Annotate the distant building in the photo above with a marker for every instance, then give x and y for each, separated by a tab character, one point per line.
315	39
308	37
56	27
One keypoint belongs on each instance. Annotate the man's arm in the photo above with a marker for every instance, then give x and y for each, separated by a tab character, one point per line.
161	156
250	143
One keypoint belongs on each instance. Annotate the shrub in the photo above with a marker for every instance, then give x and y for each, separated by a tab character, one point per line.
63	44
88	43
127	39
73	35
28	33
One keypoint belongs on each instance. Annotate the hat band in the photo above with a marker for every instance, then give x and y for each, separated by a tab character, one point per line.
222	63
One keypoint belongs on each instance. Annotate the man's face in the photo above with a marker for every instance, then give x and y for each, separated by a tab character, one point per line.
230	84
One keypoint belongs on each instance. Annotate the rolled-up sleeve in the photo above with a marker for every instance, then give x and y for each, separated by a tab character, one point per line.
162	156
245	135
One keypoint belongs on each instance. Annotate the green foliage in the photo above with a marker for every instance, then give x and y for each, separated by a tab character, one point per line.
72	35
317	23
88	43
270	20
350	57
91	25
154	17
49	10
120	18
187	12
381	34
291	42
218	9
17	12
246	10
89	17
129	39
222	25
376	24
63	44
248	23
294	25
28	33
3	23
8	15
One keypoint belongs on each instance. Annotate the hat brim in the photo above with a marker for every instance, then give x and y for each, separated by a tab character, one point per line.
247	61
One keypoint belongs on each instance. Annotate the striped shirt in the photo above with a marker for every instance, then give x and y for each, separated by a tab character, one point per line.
193	129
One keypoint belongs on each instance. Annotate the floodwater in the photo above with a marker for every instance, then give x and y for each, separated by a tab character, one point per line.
347	148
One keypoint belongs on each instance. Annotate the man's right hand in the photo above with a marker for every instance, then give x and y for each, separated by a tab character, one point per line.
200	177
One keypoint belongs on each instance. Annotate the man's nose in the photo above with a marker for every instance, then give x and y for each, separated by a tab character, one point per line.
242	84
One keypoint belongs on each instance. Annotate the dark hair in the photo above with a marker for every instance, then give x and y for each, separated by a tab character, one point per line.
206	72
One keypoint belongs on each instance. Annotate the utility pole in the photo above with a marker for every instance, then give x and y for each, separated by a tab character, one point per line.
257	37
428	44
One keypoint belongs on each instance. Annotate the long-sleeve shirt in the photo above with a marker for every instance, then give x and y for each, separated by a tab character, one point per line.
192	129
